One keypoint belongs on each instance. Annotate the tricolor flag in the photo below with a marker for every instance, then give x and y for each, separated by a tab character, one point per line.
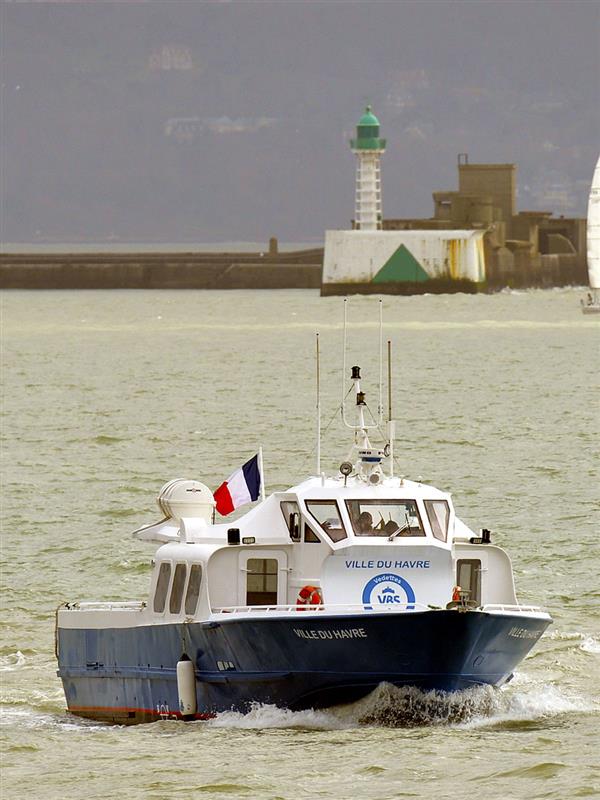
241	487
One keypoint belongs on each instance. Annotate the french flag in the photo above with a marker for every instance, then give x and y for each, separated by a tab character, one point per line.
241	487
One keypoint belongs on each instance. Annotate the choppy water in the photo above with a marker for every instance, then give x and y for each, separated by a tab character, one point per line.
109	394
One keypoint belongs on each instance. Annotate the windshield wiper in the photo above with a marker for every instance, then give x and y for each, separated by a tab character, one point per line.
404	527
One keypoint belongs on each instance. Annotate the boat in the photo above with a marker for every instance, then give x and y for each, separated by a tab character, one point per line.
591	305
313	598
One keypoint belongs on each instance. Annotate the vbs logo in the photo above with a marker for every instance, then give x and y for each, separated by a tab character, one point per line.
389	589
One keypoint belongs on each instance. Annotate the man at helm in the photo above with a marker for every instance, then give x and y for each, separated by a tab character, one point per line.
364	523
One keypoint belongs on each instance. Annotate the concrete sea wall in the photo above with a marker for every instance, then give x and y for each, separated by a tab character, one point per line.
300	269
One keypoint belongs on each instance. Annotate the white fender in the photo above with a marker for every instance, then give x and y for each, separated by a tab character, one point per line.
186	687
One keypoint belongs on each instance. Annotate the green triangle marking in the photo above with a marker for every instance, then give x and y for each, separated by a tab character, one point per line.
401	266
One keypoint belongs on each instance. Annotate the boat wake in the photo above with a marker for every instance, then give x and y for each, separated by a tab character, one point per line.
392	707
524	703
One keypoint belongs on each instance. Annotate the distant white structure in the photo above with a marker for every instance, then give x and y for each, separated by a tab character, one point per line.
171	56
376	261
593	245
368	148
593	231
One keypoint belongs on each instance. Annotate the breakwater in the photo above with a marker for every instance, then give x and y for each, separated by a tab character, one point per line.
298	269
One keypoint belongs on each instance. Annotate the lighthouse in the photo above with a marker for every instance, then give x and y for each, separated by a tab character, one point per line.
368	148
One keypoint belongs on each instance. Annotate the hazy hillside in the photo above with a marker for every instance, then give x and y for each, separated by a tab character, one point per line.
222	120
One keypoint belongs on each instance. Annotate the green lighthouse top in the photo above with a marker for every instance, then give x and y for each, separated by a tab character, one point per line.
368	118
367	133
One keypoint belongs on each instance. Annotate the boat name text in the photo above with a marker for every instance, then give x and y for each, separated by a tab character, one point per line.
523	633
387	564
342	633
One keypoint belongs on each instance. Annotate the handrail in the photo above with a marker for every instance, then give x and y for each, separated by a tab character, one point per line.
513	609
339	608
108	605
333	608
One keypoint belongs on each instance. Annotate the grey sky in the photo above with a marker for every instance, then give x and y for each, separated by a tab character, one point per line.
206	121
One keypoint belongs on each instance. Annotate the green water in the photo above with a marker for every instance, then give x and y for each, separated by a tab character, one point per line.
107	395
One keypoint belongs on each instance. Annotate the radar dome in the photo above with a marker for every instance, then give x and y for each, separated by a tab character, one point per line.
186	498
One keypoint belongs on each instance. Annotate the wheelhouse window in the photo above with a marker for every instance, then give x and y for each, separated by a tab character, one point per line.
326	513
438	512
177	588
261	584
291	514
385	518
193	589
310	536
162	584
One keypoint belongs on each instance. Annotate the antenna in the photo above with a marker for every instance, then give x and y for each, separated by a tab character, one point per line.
389	353
391	423
344	358
360	424
318	409
380	409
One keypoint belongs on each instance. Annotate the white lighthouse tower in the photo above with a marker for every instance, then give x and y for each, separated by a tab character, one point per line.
368	148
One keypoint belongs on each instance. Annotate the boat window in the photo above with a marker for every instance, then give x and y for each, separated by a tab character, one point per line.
310	536
438	512
261	585
177	588
327	515
291	514
468	577
193	589
162	584
385	517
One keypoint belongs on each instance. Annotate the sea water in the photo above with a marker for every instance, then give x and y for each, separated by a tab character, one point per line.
107	395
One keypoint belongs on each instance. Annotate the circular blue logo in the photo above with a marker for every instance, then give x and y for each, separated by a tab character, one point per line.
385	589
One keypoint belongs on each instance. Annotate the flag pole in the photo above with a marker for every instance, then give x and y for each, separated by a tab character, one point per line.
318	409
262	474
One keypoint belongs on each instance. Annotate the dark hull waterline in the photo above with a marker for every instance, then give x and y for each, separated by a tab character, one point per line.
128	675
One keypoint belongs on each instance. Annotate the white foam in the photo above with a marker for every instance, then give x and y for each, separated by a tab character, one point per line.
24	717
544	701
587	642
389	706
12	661
564	636
263	716
590	644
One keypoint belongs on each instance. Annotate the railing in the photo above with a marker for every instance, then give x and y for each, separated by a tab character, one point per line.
514	609
330	608
109	605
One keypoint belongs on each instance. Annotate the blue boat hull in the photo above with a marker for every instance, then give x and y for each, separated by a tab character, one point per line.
128	675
